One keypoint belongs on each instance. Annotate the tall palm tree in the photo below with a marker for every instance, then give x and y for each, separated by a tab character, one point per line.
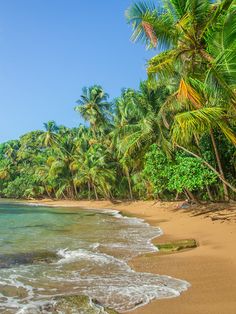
94	107
143	126
49	137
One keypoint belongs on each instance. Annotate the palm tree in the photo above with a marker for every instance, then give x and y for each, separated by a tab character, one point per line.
10	150
94	172
142	127
5	170
94	107
49	137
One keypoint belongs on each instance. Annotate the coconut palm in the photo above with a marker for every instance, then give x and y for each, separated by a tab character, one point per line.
49	137
93	106
94	172
143	127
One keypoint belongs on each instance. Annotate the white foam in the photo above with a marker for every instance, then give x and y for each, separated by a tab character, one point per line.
68	256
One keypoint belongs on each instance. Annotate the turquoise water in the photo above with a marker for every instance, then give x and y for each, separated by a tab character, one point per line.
47	252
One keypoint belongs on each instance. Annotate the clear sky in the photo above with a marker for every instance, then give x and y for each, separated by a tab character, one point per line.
50	49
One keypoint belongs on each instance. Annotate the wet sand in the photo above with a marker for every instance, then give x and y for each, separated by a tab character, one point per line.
210	268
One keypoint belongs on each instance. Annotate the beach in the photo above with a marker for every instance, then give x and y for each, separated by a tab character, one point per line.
118	178
210	268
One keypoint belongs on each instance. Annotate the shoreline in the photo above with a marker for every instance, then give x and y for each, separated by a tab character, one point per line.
210	268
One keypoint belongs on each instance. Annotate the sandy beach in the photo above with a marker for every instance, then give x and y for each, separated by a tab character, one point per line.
210	268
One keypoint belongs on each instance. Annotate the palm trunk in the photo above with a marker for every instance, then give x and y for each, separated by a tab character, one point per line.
186	194
200	153
64	195
71	195
48	194
209	194
95	191
191	196
75	189
226	193
176	196
129	183
89	191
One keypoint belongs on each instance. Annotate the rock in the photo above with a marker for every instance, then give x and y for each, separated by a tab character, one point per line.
176	245
79	304
9	260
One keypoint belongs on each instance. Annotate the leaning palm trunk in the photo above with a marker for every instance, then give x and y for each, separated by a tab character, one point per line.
209	194
95	192
200	153
191	196
226	193
129	183
89	191
48	193
75	189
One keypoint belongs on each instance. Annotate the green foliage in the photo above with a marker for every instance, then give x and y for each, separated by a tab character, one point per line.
176	175
197	53
134	159
24	186
133	146
157	169
189	173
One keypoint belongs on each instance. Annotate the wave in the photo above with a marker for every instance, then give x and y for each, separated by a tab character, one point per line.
95	258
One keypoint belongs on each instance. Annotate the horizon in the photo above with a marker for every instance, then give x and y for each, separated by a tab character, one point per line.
45	64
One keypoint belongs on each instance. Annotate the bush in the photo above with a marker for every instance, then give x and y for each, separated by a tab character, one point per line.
177	174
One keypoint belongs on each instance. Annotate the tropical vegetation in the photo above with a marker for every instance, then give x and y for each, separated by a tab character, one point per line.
172	138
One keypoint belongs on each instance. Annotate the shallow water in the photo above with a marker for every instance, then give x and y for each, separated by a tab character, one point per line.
47	252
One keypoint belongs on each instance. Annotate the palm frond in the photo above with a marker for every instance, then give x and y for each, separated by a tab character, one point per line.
199	9
163	63
150	24
177	7
216	12
198	122
187	92
141	16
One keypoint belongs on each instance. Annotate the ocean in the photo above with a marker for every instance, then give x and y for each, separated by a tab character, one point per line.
48	253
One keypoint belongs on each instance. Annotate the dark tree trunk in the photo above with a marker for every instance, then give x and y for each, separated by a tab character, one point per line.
129	183
226	193
192	197
200	153
95	191
89	191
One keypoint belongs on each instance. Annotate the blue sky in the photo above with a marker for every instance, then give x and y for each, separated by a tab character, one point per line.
50	49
